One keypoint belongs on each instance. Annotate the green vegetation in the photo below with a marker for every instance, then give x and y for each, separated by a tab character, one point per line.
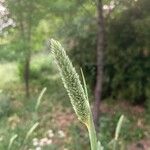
77	94
21	116
35	111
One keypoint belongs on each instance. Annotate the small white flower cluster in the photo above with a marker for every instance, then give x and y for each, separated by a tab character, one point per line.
39	143
50	133
46	141
61	134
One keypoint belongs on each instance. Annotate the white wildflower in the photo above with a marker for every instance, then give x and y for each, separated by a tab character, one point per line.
43	141
35	142
50	133
49	142
38	148
61	134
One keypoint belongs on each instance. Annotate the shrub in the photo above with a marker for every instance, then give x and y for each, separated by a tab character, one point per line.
4	105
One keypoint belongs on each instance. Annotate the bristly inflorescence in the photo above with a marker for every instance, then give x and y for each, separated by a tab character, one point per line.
71	82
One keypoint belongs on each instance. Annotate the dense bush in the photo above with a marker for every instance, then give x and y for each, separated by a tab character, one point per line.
4	105
126	70
40	69
7	53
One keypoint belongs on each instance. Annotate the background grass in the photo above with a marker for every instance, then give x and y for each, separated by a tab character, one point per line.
18	115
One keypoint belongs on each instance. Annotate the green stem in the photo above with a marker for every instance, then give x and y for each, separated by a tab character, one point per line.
92	135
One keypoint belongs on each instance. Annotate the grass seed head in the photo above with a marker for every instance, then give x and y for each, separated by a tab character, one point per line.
71	82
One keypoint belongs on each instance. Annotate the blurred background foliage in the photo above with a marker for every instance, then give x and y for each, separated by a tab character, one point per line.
25	28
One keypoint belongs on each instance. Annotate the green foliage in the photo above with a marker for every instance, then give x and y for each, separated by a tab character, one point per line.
11	141
107	128
7	53
39	99
126	70
5	105
126	74
77	94
71	82
40	69
127	55
76	133
19	132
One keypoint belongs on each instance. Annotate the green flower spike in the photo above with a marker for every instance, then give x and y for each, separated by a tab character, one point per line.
71	82
77	94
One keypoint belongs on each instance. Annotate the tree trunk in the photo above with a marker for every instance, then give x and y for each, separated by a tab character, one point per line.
27	75
100	62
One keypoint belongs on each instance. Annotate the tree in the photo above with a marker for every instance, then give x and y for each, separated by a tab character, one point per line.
126	54
26	15
100	61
